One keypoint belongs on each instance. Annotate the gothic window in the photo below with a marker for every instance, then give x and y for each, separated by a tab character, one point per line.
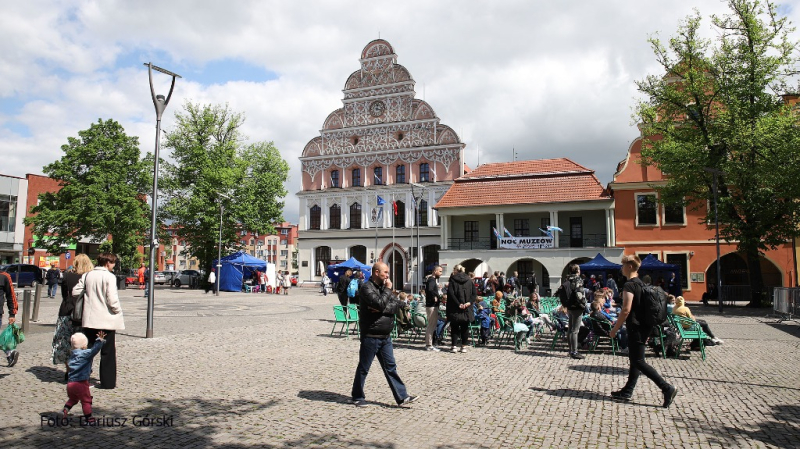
378	176
335	178
356	177
423	213
355	216
336	217
400	175
316	214
424	172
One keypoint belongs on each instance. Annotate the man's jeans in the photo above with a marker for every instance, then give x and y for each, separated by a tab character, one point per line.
52	289
382	348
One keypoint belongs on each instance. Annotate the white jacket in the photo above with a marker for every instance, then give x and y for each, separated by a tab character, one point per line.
101	307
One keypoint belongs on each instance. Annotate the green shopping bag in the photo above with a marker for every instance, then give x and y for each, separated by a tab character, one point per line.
10	337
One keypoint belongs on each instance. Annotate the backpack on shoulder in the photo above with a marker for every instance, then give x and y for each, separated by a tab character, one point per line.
352	288
571	301
652	308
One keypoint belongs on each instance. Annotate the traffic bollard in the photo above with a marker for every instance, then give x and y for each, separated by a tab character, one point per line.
26	308
37	298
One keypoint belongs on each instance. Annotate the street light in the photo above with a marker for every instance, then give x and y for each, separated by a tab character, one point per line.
716	173
219	252
416	220
160	104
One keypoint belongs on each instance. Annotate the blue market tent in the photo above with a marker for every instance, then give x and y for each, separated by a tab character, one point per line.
658	269
599	264
334	271
236	268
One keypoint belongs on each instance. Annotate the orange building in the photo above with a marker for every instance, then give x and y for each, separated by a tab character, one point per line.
680	235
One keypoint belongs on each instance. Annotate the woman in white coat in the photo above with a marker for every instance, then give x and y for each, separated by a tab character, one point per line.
102	312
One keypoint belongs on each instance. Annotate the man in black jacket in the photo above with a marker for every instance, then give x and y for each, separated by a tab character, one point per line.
377	309
433	295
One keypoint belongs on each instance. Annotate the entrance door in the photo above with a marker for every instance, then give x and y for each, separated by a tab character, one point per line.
576	232
396	270
524	270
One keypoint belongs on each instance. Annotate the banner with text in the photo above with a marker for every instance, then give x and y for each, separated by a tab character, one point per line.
526	242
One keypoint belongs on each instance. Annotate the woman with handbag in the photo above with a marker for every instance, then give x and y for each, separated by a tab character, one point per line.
69	319
102	312
461	294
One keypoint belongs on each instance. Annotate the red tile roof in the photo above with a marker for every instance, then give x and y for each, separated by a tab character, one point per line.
524	182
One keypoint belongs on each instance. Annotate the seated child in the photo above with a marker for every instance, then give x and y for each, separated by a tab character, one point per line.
483	316
80	367
602	326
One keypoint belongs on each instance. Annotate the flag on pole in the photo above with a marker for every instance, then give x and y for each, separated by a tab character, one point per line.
381	202
496	234
506	231
547	232
394	206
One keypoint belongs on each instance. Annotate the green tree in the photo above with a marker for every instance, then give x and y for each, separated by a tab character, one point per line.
212	161
721	106
103	186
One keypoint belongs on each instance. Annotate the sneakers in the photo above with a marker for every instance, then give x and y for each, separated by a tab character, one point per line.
453	349
12	358
717	341
432	348
360	403
408	400
463	349
623	351
620	396
669	395
576	355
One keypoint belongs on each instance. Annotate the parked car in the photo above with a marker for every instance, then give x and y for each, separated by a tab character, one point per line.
169	276
159	278
24	274
188	277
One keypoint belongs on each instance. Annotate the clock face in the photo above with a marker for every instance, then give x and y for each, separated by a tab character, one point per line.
377	108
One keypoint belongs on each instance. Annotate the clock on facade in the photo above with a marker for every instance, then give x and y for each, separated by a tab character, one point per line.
376	108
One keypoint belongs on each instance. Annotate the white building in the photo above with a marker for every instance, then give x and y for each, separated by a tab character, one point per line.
384	143
521	198
13	198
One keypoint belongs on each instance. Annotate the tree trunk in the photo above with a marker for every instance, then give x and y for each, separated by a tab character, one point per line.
756	278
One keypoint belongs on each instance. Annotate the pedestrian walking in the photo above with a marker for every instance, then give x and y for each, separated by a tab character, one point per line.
376	320
7	293
212	282
287	282
65	326
80	363
51	277
639	329
102	312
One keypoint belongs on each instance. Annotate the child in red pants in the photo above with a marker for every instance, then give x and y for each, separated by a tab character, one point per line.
80	367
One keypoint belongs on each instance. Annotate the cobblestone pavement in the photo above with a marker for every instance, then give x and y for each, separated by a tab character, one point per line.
256	370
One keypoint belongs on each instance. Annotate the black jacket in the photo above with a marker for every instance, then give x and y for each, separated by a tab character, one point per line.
341	287
376	310
52	276
460	290
432	295
67	300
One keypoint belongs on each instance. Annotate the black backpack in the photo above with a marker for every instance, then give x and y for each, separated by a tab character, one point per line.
571	301
652	309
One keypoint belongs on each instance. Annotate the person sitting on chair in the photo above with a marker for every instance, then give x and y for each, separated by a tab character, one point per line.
681	310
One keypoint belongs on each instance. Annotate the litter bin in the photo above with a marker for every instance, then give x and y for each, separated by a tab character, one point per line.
121	282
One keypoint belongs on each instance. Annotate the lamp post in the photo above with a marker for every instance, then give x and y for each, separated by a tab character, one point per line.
716	173
416	220
219	251
160	104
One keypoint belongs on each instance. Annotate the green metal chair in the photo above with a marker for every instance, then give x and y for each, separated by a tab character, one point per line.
341	318
688	329
599	331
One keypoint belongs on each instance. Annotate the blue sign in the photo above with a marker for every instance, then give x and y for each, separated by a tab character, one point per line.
67	255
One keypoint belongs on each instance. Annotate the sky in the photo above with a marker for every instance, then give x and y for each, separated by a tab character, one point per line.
540	78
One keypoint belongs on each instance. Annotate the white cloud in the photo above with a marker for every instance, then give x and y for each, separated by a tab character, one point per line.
549	79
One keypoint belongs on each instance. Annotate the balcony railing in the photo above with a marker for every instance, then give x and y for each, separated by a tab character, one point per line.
564	241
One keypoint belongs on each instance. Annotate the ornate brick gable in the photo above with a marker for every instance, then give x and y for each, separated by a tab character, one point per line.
381	122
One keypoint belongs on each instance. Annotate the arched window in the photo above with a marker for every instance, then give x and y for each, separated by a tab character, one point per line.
356	177
422	213
335	178
322	258
316	215
400	216
377	178
355	216
400	175
424	172
336	217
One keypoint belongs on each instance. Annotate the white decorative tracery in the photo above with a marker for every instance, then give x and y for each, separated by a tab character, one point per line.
444	156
